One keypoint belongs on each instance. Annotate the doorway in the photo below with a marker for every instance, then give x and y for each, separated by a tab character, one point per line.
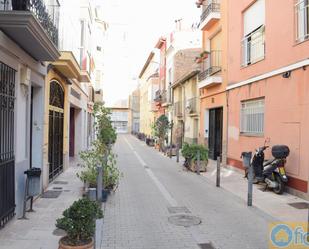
55	130
215	132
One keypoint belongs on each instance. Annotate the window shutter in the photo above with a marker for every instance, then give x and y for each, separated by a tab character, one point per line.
254	17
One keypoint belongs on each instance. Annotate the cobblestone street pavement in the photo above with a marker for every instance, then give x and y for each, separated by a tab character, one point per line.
137	215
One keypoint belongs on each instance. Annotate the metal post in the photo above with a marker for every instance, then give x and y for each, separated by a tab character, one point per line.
250	185
25	200
218	171
99	182
171	143
177	153
308	226
198	162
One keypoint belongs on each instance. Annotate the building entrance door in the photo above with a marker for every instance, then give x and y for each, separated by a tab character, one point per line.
55	130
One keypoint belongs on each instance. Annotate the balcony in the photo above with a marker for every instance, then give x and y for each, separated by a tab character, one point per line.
211	14
178	109
33	26
158	96
191	106
253	47
210	71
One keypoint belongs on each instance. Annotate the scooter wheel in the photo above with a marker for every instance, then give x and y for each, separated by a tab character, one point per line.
279	190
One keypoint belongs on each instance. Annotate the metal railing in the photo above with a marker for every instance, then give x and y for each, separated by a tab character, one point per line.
48	16
164	96
178	106
191	105
212	7
211	65
157	97
253	47
302	21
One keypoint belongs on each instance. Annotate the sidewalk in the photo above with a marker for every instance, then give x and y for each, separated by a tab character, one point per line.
38	231
275	205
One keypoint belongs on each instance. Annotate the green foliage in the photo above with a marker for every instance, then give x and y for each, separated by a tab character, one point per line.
105	132
100	153
189	151
79	221
161	128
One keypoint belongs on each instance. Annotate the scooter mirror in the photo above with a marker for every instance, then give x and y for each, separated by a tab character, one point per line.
267	141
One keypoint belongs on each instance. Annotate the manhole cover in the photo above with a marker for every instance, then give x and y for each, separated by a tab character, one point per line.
300	205
177	210
59	188
184	220
51	194
60	182
206	246
59	232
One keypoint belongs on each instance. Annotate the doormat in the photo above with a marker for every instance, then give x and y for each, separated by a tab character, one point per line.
51	194
300	205
175	210
60	182
206	246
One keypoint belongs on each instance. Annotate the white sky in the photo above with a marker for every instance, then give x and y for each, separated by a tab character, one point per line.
134	28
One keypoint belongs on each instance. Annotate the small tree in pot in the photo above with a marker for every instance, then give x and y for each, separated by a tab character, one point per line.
190	153
78	222
161	127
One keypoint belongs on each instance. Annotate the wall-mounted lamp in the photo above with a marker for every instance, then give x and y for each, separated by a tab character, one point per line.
286	74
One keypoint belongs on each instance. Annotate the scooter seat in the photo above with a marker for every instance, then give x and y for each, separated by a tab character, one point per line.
268	162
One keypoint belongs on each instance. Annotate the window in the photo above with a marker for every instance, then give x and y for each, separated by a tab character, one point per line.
302	20
253	44
252	116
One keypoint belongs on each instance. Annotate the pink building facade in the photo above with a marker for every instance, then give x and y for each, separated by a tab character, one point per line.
268	82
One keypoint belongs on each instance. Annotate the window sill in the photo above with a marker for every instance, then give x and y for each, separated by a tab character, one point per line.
298	42
246	134
252	63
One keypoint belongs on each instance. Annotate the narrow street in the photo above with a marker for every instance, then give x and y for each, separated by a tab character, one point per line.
137	215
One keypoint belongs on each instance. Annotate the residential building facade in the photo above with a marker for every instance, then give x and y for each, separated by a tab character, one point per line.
212	79
25	44
134	111
120	119
267	75
149	85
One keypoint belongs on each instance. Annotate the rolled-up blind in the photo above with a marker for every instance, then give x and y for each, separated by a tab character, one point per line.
254	17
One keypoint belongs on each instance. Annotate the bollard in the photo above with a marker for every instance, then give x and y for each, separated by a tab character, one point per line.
250	185
99	182
177	154
218	171
198	162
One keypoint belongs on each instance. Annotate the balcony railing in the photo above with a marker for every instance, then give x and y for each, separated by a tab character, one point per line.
302	20
158	96
253	47
212	7
48	16
191	105
211	65
178	108
164	96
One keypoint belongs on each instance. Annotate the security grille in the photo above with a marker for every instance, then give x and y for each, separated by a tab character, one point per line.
252	116
302	20
7	155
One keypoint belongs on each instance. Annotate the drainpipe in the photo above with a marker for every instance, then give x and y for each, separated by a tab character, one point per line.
184	110
227	127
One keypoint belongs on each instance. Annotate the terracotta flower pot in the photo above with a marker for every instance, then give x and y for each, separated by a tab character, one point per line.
90	245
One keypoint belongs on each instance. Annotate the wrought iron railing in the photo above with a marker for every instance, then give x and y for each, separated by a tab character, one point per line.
212	7
211	65
302	20
164	96
48	16
253	47
191	105
178	106
157	96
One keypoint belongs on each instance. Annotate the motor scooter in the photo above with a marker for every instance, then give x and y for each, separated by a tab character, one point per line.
271	172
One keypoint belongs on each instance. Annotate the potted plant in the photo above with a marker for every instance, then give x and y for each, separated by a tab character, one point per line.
160	130
78	222
190	153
